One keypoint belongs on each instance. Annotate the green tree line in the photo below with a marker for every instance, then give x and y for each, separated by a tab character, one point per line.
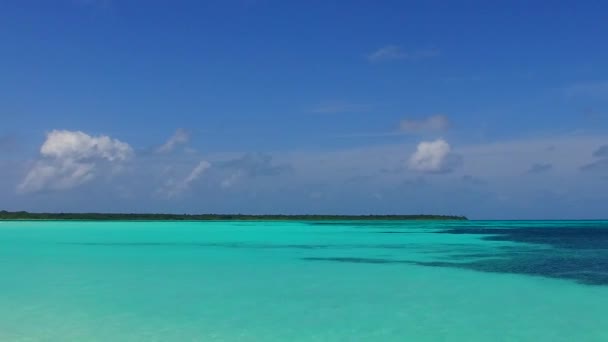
24	215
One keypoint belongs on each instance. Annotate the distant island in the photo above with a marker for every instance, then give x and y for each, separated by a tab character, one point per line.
24	215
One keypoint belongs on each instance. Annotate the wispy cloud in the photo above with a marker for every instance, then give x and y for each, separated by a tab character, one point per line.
173	187
395	52
180	137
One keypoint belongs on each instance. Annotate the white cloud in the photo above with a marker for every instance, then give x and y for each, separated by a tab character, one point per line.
433	123
197	171
58	175
174	187
180	137
496	166
431	157
71	158
394	52
79	146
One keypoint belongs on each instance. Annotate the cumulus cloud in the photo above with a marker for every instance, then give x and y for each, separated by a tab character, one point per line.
77	145
179	138
175	187
71	158
394	52
539	168
433	123
433	157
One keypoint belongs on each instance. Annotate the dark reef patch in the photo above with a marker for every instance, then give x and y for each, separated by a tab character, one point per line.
560	237
572	251
396	232
582	270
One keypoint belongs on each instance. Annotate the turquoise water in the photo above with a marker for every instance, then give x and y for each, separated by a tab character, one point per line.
302	281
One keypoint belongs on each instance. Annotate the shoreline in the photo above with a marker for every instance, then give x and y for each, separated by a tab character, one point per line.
26	216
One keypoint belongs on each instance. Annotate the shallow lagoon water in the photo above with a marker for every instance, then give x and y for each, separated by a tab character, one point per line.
304	281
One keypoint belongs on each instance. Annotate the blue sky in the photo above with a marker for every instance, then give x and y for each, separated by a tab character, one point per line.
492	110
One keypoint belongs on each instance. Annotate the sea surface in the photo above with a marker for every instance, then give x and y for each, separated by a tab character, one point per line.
304	281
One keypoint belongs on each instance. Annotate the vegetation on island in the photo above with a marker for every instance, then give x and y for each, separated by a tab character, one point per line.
24	215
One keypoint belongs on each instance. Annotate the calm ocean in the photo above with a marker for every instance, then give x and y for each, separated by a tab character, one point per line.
304	281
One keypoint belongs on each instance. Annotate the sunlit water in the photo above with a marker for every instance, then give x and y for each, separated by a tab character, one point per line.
304	281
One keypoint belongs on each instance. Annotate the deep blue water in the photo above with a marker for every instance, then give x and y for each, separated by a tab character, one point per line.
573	250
